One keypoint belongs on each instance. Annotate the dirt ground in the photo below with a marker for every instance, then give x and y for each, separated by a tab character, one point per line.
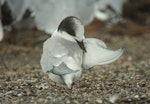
126	81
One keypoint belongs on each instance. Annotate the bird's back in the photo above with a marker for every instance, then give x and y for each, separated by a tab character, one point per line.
57	49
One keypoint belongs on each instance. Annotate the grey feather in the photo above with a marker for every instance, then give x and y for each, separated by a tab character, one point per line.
62	69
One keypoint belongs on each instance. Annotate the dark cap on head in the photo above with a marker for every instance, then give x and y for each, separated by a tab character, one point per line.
73	27
68	25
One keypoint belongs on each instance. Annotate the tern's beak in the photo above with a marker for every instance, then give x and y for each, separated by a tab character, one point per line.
81	44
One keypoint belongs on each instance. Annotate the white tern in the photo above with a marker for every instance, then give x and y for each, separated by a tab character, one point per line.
67	52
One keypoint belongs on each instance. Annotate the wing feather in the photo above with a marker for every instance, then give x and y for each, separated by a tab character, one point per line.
56	59
98	53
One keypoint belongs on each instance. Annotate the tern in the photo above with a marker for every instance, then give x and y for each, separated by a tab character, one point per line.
67	52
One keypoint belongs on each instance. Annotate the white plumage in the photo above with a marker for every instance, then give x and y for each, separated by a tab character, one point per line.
62	59
98	53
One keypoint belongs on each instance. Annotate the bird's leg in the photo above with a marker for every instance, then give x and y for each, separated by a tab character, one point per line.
72	85
55	84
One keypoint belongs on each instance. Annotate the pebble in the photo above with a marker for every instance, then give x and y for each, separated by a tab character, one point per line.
68	102
136	96
19	94
113	98
10	92
99	101
130	58
43	86
143	96
129	99
56	90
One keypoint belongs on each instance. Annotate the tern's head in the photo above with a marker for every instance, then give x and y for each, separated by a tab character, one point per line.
72	28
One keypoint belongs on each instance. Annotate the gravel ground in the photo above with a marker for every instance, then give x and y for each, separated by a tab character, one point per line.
126	81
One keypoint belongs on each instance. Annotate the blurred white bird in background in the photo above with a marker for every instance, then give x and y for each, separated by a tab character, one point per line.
1	31
49	13
1	27
67	52
18	8
109	9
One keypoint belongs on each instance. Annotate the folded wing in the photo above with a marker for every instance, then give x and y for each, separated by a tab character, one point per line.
98	53
55	59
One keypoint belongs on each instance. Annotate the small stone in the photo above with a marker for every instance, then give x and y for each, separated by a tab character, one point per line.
99	101
40	100
48	97
19	94
56	90
129	99
130	58
136	96
113	98
10	92
43	86
143	96
68	102
76	101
